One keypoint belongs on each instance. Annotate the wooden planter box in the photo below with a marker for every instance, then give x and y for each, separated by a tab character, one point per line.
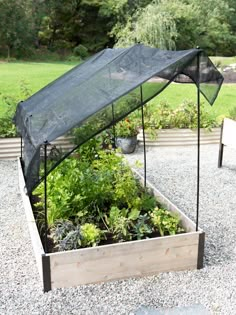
117	261
177	137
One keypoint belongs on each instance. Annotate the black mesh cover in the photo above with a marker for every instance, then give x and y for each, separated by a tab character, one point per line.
103	90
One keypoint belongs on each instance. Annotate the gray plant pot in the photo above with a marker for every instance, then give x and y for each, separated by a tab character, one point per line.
127	145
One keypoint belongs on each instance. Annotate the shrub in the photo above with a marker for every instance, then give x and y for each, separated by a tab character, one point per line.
7	128
81	51
184	116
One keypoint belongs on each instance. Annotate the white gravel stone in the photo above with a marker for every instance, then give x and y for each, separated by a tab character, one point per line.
173	171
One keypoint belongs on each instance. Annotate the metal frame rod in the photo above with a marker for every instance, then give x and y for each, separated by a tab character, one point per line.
144	140
113	126
198	139
45	198
221	147
96	133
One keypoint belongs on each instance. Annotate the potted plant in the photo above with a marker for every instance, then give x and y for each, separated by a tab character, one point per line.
126	135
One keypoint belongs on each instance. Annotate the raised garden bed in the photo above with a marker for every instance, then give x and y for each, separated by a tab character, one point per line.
10	148
117	261
178	137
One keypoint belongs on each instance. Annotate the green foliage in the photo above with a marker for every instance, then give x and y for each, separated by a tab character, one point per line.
152	25
184	116
170	24
81	51
232	113
142	229
66	235
7	128
119	223
98	200
15	32
165	222
91	235
127	127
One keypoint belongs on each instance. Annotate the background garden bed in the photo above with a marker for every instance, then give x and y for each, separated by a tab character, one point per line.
10	148
117	261
178	137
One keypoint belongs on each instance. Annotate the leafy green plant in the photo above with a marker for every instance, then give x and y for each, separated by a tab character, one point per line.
99	199
81	51
162	116
119	224
7	128
142	227
66	235
126	128
91	235
165	222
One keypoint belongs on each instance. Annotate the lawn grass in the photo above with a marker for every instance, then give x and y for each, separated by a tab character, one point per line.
37	75
175	94
223	61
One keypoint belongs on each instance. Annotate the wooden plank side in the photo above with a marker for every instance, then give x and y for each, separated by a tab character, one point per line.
119	261
36	241
187	223
229	132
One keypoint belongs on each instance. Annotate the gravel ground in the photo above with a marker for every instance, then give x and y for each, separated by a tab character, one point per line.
173	171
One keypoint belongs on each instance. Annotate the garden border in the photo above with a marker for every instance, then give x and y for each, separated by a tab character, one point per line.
180	137
10	147
117	261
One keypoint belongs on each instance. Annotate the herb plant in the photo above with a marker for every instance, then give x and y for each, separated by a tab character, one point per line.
165	222
98	200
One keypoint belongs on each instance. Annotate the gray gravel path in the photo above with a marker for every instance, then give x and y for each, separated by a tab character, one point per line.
173	171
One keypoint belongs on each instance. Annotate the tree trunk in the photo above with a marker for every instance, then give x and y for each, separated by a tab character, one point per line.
8	53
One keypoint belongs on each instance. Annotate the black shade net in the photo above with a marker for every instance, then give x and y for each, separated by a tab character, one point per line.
101	91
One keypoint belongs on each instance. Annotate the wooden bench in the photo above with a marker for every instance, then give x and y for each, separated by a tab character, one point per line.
228	137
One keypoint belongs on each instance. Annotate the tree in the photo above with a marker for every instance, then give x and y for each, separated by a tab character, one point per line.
183	24
15	33
152	25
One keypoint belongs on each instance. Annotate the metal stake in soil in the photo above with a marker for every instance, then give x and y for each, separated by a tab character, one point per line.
144	139
198	137
45	198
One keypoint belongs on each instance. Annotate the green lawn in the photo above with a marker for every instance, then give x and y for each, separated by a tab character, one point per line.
37	75
174	94
224	61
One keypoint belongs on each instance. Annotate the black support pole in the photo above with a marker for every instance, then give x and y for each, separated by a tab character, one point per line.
221	147
113	126
198	139
144	139
45	198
